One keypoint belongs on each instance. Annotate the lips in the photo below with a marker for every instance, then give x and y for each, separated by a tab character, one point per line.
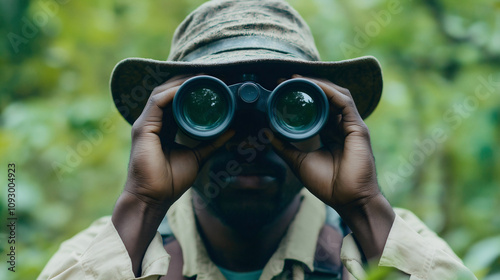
251	182
263	172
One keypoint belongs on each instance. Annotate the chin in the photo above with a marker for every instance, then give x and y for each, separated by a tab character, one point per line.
251	199
248	212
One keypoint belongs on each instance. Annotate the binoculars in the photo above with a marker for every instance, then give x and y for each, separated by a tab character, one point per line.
204	106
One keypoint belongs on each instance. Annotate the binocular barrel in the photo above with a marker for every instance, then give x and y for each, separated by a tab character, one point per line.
204	107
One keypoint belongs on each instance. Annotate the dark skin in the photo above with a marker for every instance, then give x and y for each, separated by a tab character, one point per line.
341	174
239	252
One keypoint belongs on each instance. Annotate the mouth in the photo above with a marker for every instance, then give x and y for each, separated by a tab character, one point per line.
253	177
251	182
247	169
264	172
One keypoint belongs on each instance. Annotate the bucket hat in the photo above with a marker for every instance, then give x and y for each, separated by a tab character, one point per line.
264	37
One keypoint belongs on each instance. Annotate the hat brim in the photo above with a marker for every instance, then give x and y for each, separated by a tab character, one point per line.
133	79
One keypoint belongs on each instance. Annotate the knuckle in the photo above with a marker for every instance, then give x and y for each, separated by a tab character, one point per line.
137	129
198	156
349	101
346	100
153	100
346	92
298	160
363	130
156	90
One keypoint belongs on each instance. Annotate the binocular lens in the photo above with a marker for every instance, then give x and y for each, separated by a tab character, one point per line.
204	108
296	110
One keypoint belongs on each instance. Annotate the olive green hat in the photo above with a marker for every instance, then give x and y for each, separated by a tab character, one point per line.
264	37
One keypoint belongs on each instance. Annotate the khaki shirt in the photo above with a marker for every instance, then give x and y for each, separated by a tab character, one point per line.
99	253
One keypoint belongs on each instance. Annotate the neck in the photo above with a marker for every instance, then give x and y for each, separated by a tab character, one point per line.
240	252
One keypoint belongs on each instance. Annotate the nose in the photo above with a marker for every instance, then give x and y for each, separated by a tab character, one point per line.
250	128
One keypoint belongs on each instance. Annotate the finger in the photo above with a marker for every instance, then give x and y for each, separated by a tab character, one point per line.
174	81
169	128
339	88
151	118
351	121
281	80
163	94
332	133
204	151
290	154
339	97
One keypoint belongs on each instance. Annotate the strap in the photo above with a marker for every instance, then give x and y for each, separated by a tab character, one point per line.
176	264
327	255
247	43
327	263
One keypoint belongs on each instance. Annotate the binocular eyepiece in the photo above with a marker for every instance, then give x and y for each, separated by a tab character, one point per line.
204	107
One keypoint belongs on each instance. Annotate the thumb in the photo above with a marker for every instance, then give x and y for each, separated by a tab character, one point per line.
290	154
203	151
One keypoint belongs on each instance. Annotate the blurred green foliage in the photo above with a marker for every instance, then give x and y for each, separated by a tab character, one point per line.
435	133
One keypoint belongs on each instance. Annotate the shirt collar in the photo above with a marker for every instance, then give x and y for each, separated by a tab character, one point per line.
299	242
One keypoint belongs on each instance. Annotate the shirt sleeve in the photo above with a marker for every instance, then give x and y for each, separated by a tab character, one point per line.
99	253
412	248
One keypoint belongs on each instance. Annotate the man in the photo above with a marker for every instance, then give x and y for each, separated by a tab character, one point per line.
257	206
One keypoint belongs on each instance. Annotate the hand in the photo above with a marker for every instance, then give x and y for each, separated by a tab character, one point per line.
342	173
159	172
